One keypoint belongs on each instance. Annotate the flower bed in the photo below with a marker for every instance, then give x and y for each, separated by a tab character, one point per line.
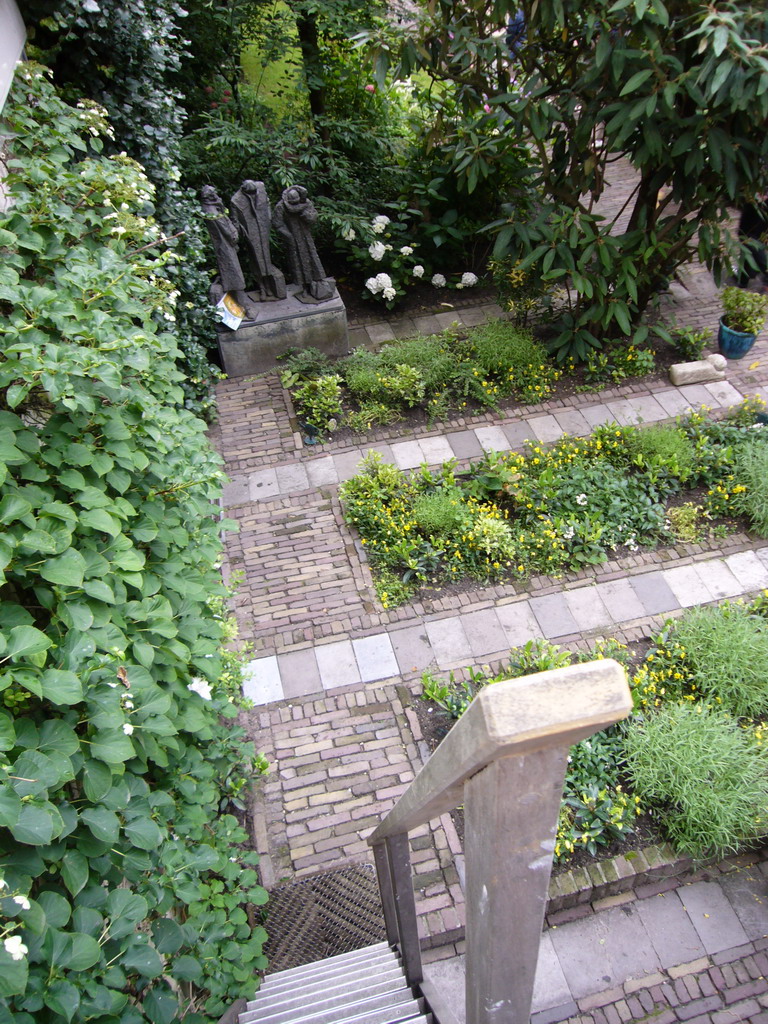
692	757
557	509
439	375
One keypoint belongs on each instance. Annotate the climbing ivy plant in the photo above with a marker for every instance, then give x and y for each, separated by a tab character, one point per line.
125	888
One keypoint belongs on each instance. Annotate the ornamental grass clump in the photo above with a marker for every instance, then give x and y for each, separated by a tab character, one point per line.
751	477
706	775
727	656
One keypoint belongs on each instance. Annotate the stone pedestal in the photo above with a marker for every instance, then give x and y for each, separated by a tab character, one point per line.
287	323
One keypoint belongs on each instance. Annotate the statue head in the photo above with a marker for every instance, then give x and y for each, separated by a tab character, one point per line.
250	186
210	197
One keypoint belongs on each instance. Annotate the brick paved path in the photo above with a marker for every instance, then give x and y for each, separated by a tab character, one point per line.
334	675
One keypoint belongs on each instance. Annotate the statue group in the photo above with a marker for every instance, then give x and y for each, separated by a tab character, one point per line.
250	222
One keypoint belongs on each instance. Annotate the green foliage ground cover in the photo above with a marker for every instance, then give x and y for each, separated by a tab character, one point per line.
549	510
692	757
125	883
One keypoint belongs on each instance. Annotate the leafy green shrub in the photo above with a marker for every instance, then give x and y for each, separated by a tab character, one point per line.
513	357
304	364
318	402
690	343
706	776
751	477
727	648
118	751
661	449
440	511
617	363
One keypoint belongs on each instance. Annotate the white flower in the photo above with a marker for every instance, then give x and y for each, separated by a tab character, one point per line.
437	280
22	901
372	284
568	533
127	728
15	948
581	499
407	250
377	250
3	884
379	223
418	271
383	281
468	280
201	688
348	235
389	294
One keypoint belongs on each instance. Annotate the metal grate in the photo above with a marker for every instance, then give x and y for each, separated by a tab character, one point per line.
322	915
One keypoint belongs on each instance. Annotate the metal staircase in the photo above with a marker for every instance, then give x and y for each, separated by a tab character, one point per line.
367	986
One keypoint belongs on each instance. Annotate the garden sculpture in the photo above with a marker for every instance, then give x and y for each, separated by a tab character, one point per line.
225	235
295	214
699	371
251	214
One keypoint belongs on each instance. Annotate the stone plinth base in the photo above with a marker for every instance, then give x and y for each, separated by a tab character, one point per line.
287	323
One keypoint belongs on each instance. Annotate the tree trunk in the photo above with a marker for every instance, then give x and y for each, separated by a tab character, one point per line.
309	42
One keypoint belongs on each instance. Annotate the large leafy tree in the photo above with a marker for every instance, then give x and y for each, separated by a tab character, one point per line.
679	88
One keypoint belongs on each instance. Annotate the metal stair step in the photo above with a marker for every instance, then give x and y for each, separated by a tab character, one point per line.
357	957
323	991
386	961
383	1009
336	1007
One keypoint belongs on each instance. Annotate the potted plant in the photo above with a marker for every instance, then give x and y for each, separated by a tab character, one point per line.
744	314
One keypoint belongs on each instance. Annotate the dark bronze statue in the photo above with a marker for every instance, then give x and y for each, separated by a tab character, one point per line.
251	214
224	235
294	216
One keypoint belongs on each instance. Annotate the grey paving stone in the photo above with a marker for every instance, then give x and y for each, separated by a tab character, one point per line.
712	916
545	428
473	317
596	415
236	492
263	484
322	472
435	450
492	439
599	952
412	649
718	579
427	324
747	892
673	402
622	412
347	464
299	673
464	444
358	337
571	421
621	599
375	657
407	454
688	586
646	409
404	328
674	938
588	608
723	394
518	433
518	622
493	311
696	395
380	332
337	664
384	450
553	615
484	632
261	680
291	477
654	593
447	319
449	642
749	570
550	987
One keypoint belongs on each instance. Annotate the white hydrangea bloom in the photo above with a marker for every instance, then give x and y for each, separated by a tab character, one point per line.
438	281
418	271
127	728
377	250
372	284
407	250
15	948
348	234
384	281
201	688
379	223
468	280
389	294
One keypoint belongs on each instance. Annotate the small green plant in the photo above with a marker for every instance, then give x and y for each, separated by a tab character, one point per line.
440	511
371	414
452	696
686	522
538	655
617	364
661	449
303	364
743	310
706	777
390	589
318	402
751	487
689	342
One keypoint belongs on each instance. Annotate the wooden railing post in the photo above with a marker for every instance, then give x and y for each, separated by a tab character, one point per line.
387	893
399	862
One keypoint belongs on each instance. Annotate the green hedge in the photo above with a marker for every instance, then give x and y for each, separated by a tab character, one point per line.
124	884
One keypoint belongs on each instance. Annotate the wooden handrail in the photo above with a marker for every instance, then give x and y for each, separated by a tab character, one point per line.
505	760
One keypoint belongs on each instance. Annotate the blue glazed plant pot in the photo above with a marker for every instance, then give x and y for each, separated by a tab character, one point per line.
734	344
